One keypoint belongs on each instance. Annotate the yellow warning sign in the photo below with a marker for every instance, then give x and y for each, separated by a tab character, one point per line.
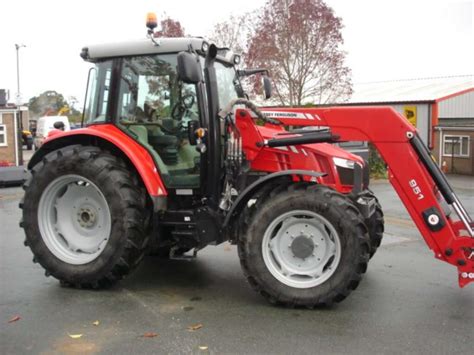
410	114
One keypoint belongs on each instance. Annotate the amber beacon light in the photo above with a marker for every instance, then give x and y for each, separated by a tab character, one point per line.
151	21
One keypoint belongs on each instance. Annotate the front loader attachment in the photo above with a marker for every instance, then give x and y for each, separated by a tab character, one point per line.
419	182
464	228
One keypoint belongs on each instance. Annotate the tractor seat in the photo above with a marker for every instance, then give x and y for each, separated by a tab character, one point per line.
162	140
165	144
185	158
142	134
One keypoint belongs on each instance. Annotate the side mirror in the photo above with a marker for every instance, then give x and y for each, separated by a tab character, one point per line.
267	87
189	69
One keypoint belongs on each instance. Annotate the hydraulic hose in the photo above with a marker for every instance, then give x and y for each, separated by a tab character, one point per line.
251	106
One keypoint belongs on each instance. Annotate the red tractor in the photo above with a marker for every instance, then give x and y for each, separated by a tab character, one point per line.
173	158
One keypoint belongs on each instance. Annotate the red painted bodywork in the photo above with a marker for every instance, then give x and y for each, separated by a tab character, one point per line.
314	157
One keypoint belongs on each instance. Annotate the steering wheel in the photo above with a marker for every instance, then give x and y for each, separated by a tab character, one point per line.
178	111
186	102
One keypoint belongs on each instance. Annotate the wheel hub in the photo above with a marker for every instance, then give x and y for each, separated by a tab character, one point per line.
86	217
302	247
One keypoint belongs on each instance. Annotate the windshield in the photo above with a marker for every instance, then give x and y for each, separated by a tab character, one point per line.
225	84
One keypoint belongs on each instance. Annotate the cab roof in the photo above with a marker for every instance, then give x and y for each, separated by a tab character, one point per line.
144	46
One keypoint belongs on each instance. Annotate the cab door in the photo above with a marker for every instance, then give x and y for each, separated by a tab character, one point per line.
155	108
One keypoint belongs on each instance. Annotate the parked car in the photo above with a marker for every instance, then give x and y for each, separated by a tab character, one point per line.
45	125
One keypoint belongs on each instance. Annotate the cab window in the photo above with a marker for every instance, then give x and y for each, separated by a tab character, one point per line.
155	108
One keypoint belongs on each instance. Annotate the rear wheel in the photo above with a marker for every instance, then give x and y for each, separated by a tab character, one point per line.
305	246
84	216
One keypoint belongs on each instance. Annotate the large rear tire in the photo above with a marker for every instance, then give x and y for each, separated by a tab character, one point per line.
85	216
306	245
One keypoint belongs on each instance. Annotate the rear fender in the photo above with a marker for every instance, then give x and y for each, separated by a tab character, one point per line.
111	138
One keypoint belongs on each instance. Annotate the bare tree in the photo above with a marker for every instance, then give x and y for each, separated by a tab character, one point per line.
299	41
234	33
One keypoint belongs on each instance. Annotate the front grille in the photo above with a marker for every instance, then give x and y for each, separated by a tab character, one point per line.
346	175
365	175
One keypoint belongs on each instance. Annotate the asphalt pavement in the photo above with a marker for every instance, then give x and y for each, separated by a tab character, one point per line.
408	302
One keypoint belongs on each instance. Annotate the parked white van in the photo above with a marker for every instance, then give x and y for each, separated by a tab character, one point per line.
45	125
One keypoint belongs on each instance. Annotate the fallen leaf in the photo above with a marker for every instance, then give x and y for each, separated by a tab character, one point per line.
75	336
96	323
194	327
14	319
150	335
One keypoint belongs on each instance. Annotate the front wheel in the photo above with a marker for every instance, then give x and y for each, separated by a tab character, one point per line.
84	216
305	246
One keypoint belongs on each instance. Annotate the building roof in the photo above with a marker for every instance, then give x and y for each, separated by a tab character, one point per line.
412	90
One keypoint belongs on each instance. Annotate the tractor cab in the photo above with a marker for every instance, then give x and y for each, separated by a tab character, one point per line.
166	95
136	87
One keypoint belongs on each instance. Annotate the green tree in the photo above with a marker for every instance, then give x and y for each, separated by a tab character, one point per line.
47	103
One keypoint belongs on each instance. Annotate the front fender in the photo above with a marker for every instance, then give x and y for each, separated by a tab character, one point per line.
109	134
250	190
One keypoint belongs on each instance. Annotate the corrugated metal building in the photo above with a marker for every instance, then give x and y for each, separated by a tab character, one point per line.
442	109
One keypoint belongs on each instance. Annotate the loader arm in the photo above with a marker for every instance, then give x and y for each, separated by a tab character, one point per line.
416	178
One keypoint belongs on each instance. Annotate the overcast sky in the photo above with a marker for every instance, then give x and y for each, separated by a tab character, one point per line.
384	39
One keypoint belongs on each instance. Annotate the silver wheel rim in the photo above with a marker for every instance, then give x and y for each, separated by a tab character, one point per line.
301	249
74	219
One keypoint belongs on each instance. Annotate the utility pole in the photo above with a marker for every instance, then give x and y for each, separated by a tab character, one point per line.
18	92
19	123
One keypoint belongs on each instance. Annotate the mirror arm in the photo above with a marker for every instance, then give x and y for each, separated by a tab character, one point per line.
248	72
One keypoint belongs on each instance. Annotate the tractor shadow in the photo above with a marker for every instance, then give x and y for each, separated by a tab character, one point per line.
209	277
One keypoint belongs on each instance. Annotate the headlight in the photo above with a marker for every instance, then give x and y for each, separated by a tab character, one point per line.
344	163
205	47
